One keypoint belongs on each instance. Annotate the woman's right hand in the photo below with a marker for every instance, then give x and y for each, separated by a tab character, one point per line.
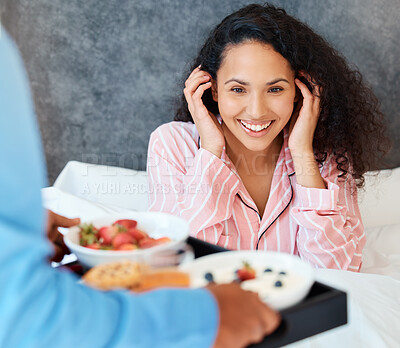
210	130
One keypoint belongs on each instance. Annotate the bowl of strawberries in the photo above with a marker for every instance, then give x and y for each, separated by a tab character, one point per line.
135	236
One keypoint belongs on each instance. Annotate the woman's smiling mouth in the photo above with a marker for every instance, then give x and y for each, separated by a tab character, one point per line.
256	129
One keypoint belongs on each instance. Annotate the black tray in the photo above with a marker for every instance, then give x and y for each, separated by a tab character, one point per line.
324	308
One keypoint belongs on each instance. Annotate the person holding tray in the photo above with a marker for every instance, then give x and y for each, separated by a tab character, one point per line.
270	143
45	307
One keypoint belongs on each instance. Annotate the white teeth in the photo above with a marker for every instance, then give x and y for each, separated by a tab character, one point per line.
256	128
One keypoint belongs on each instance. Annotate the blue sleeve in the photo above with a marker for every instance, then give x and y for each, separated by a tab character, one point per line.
43	307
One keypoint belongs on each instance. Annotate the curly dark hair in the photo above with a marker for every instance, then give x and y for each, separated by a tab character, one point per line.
351	125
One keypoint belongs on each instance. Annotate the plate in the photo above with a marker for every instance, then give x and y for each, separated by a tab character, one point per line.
282	280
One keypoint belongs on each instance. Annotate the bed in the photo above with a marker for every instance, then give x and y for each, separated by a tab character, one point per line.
87	190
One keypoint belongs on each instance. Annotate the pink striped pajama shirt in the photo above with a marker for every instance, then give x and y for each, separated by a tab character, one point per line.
322	226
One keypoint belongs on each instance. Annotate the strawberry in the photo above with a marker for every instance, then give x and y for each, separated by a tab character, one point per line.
163	240
137	234
126	223
127	246
95	246
149	242
107	233
122	238
246	272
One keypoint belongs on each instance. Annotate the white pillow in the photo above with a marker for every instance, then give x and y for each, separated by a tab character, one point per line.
120	187
380	200
381	254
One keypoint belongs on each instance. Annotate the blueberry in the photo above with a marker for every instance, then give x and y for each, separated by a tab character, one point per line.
282	273
268	270
209	276
278	284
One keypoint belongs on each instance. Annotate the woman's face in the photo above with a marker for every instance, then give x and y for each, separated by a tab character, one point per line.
255	91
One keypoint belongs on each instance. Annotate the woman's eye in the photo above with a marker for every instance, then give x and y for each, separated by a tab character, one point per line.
275	90
237	90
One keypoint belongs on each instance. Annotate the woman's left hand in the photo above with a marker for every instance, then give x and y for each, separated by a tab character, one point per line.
305	118
54	221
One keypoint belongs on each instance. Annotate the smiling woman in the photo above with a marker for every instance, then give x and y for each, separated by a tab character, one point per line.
255	95
272	138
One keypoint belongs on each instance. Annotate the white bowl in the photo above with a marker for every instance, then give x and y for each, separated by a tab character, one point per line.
223	266
155	224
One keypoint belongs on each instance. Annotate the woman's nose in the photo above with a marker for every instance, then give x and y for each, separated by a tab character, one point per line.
257	106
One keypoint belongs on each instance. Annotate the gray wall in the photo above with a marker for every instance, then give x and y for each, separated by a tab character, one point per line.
104	72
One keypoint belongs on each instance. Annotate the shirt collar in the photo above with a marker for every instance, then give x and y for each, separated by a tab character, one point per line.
284	151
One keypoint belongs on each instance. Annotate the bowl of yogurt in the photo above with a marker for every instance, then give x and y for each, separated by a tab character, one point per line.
280	279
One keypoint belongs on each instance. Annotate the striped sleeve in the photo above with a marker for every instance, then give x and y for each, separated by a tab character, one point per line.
331	233
189	182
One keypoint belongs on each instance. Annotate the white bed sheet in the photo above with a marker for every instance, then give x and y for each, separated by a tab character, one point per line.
373	312
373	294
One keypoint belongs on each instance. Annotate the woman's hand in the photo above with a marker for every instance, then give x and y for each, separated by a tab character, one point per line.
210	131
304	119
243	318
55	237
301	134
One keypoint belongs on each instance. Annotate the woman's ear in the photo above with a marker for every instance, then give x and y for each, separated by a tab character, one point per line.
214	90
297	95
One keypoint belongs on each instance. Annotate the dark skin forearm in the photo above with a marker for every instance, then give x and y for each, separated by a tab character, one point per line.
55	237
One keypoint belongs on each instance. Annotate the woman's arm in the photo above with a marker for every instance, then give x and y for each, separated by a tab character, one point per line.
331	234
189	182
